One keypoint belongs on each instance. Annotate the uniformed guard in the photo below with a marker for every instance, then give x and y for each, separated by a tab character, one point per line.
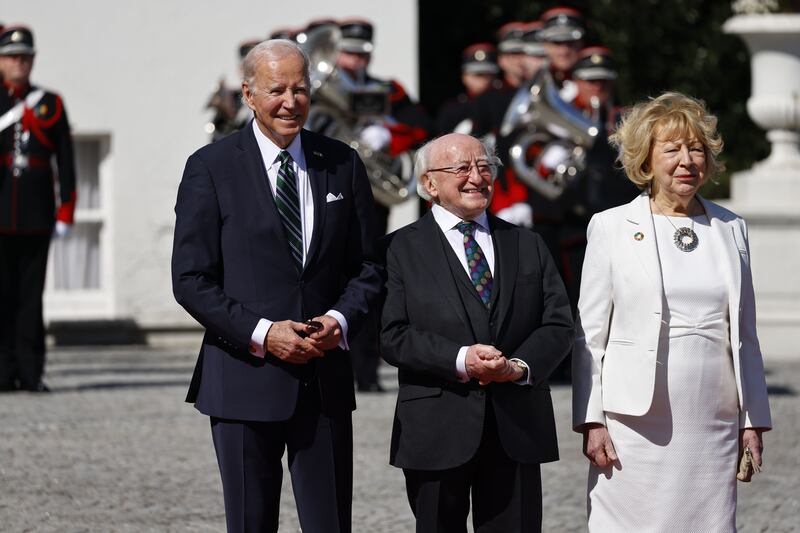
405	126
491	106
409	126
535	54
600	184
33	132
604	186
479	71
562	33
510	199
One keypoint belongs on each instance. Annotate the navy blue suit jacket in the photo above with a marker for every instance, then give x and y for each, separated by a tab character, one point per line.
231	267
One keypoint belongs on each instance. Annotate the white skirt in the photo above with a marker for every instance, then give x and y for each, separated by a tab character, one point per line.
677	463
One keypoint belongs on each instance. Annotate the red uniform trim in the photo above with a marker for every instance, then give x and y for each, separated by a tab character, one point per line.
512	193
33	161
404	138
34	125
397	93
66	211
56	114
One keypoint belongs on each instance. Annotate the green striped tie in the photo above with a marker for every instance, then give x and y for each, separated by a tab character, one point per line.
288	202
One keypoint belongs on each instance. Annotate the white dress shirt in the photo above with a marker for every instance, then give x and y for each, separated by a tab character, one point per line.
447	222
269	154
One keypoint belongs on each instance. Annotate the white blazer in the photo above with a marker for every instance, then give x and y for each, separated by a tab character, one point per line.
620	310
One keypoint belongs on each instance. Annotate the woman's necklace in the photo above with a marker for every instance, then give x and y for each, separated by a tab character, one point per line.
685	239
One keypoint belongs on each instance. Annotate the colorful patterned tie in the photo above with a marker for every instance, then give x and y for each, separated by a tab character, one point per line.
479	271
288	201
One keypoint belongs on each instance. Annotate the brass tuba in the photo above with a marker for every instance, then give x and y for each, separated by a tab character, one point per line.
538	118
341	108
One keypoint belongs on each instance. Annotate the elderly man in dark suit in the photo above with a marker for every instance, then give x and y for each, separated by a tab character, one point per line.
475	318
271	255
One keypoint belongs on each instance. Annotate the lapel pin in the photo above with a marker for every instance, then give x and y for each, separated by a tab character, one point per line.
638	236
318	154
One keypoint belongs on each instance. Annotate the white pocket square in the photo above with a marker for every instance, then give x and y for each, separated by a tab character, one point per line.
331	198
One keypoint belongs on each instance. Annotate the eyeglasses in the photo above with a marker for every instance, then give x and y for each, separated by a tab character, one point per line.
485	170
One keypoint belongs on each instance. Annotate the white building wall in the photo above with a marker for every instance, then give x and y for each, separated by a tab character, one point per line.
142	72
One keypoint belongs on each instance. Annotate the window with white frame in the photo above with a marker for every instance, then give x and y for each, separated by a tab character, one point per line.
78	268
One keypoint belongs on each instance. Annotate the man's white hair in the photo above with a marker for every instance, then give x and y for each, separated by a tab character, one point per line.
423	156
272	50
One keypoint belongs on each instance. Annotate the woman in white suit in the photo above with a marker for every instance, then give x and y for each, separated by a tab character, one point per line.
668	375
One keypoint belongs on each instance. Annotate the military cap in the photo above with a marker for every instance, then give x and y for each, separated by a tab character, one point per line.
509	38
246	46
480	58
595	63
302	35
16	40
532	39
562	24
356	36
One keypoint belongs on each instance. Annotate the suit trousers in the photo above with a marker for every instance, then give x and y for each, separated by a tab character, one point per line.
23	267
320	459
506	494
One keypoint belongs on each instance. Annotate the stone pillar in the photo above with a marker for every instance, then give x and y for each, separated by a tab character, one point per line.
768	195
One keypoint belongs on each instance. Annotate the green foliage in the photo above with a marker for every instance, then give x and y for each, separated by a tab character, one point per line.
659	46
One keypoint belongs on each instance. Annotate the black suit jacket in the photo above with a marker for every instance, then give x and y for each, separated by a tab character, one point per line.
431	309
231	267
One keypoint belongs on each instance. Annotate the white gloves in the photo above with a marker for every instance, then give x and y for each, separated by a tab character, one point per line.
554	155
61	229
520	214
375	137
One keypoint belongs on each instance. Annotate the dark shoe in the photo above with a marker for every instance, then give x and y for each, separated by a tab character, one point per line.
39	387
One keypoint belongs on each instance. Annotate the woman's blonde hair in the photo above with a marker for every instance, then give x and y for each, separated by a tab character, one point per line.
674	116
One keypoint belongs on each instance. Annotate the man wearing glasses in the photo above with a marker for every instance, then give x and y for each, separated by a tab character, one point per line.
475	318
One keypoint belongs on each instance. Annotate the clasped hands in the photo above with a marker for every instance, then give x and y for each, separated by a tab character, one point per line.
285	342
487	364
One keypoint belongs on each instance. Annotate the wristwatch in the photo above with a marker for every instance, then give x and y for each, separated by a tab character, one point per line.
522	367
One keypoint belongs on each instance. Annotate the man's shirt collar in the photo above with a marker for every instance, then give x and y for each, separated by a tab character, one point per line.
270	151
447	220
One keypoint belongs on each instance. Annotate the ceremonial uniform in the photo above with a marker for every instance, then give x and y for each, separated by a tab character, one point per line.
406	127
599	186
562	30
489	112
561	33
35	131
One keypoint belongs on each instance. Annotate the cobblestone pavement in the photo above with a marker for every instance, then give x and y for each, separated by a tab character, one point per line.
114	448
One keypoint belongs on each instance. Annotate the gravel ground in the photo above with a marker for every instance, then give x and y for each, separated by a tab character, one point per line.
114	449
